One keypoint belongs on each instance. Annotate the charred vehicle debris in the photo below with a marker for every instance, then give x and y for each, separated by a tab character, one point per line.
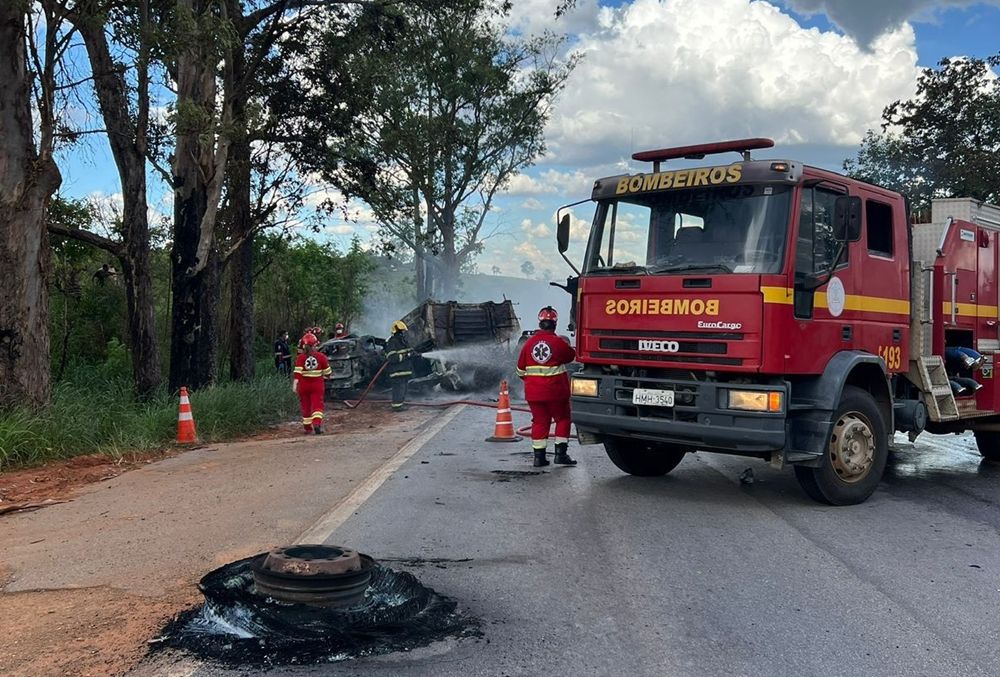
461	347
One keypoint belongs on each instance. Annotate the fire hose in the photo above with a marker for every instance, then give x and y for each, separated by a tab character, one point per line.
472	403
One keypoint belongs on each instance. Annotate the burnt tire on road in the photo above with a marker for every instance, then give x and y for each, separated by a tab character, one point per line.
855	456
643	458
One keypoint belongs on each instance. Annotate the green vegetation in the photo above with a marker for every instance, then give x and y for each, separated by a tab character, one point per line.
95	412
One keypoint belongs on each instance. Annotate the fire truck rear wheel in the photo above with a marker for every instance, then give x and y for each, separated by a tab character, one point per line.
643	458
988	442
855	456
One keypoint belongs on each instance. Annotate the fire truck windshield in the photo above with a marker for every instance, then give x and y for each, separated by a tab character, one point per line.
732	229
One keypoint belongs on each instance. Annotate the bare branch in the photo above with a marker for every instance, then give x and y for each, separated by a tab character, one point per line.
112	247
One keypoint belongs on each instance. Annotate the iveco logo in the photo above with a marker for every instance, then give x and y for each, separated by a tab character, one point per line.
659	346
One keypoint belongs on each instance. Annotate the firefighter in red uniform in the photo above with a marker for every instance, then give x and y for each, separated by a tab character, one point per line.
542	366
311	368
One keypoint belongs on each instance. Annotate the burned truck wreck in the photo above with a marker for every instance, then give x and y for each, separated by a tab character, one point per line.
463	347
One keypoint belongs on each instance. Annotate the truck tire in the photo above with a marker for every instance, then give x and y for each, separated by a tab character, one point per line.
643	458
988	442
855	456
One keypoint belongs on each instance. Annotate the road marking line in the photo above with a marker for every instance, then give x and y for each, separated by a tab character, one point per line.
328	523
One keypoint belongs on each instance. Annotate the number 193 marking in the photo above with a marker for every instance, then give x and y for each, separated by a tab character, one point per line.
893	356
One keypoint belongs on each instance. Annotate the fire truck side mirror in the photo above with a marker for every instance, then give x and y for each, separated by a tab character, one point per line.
562	234
847	218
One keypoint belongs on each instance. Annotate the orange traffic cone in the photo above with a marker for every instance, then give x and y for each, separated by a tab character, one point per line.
185	421
504	429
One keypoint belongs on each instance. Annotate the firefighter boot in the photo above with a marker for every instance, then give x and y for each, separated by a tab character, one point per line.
540	460
318	429
562	458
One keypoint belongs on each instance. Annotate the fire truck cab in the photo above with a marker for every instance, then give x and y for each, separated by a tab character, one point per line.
774	310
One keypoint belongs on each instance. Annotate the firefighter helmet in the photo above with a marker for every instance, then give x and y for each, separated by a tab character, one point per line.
398	325
548	313
339	328
308	339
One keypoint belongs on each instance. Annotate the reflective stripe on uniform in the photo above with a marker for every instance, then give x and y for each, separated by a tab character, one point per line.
520	372
313	373
397	352
538	445
327	371
545	371
307	421
396	406
401	373
317	414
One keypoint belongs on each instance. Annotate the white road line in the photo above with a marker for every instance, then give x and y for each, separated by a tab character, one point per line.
328	523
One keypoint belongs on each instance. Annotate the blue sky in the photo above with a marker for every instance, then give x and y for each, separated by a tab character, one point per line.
813	74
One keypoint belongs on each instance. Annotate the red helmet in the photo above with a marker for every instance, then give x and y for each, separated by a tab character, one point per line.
548	313
340	327
308	339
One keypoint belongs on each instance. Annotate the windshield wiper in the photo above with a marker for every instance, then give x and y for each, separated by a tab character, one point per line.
691	268
620	268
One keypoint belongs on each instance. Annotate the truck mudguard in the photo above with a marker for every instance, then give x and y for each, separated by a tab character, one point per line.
813	401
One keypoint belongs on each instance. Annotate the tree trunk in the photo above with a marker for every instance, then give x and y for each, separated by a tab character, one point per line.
192	286
146	374
27	182
449	258
242	328
199	167
127	138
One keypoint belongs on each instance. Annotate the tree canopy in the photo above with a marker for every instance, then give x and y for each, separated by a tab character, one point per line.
449	107
944	142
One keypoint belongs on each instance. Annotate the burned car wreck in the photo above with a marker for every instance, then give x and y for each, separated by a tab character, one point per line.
462	347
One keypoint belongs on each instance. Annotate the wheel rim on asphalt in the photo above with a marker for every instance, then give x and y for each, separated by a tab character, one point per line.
852	447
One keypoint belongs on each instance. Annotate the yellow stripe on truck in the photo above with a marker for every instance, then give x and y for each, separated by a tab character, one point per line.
969	310
857	302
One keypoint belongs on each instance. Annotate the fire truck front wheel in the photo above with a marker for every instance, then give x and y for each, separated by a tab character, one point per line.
643	458
855	456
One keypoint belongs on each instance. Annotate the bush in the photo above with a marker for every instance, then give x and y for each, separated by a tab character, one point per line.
97	414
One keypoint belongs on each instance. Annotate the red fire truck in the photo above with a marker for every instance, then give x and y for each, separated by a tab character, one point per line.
774	310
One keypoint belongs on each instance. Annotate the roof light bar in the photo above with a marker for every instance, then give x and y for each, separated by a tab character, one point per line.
742	146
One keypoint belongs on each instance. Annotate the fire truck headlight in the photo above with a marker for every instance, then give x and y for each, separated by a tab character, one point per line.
585	387
756	400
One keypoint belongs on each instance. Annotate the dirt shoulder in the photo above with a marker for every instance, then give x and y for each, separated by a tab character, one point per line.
85	584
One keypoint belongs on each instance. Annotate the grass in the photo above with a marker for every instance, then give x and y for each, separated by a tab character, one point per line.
93	413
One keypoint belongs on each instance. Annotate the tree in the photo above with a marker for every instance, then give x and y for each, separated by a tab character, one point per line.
944	142
125	111
457	107
528	268
28	179
202	117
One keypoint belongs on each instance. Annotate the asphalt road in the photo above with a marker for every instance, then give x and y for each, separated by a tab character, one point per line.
586	571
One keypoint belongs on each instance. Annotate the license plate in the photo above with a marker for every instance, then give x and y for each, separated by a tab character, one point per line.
653	398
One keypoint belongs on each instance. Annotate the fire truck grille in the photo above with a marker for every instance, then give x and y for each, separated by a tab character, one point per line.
684	346
687	359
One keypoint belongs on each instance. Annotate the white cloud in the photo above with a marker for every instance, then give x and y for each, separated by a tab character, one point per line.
550	182
535	229
668	73
531	203
342	229
535	16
